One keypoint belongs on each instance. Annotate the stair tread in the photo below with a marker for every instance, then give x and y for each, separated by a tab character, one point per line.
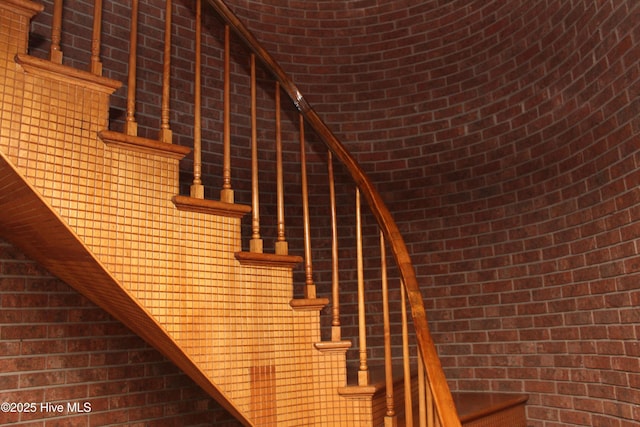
470	405
376	375
474	405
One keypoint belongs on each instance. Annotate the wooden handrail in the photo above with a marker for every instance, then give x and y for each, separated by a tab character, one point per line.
441	394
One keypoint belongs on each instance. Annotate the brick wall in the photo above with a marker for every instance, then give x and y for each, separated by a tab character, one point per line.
504	134
58	348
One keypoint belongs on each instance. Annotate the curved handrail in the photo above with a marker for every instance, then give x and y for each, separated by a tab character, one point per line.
439	386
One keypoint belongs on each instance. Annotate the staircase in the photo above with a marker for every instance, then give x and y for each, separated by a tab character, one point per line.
102	210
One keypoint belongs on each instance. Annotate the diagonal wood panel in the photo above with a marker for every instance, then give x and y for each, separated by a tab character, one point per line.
28	222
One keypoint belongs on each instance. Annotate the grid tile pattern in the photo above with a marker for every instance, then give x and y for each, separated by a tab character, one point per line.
13	30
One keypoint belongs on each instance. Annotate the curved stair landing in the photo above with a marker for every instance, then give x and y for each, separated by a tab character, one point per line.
475	409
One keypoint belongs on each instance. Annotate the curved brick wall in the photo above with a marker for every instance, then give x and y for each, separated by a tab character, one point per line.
505	137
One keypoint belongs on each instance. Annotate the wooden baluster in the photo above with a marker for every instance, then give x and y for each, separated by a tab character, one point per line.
310	287
255	245
363	370
336	334
422	415
282	247
436	417
429	403
197	189
428	416
56	33
131	126
96	64
165	129
425	405
226	194
406	359
390	419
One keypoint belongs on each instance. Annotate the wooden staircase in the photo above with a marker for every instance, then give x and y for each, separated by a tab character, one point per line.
102	211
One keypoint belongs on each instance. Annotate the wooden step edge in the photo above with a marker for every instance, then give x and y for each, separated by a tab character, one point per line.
268	260
143	145
213	207
357	391
377	377
333	346
25	8
309	304
474	405
66	74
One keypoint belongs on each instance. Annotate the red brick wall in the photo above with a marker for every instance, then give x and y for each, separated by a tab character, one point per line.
505	137
57	347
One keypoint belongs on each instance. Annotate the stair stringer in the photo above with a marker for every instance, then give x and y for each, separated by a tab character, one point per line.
105	223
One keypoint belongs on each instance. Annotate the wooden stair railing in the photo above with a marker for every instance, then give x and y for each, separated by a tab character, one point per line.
437	383
435	400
